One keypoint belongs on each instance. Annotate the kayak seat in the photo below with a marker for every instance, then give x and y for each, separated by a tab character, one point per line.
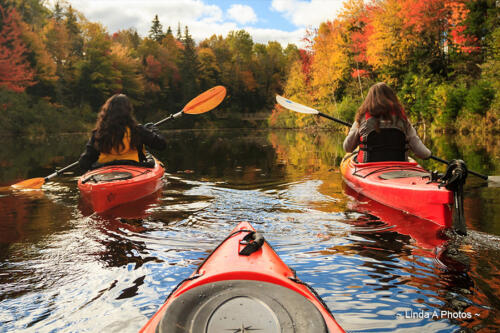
389	144
108	177
403	174
241	306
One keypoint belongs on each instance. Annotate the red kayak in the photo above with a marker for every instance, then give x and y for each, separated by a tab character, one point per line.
243	286
114	185
405	186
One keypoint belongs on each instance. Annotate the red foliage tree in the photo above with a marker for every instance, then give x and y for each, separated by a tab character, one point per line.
15	72
359	72
306	59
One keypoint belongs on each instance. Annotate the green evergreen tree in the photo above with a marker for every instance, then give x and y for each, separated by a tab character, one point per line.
179	32
189	66
58	14
156	31
74	32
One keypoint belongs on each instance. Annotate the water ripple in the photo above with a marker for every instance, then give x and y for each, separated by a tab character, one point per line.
65	268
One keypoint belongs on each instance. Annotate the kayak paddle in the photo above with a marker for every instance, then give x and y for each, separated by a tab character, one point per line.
36	183
202	103
294	106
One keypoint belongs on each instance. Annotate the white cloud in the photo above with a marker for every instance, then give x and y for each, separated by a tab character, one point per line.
280	36
203	20
308	13
242	14
124	14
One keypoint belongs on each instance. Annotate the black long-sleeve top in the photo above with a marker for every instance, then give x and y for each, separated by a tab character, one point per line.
148	138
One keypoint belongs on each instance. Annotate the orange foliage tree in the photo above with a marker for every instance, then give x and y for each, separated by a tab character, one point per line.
15	71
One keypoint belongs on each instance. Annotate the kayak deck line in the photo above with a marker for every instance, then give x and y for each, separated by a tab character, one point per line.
383	169
116	173
243	282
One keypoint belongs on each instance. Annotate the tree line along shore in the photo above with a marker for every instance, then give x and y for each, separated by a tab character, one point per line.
441	56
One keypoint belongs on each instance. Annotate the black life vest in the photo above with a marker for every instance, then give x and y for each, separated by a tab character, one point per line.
386	144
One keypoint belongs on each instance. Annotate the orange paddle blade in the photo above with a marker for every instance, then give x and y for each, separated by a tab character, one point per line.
206	101
33	183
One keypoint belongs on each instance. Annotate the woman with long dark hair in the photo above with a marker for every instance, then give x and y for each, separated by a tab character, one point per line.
117	137
381	129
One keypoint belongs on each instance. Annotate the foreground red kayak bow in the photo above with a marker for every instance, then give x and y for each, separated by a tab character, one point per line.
243	286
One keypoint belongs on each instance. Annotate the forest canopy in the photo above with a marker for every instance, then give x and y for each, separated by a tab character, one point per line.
441	56
56	59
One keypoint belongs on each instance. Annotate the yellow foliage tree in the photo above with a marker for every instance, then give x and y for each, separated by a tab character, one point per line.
331	61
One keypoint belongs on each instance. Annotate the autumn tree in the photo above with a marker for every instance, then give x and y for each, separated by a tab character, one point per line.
97	77
131	80
269	67
15	71
128	38
331	61
57	14
32	12
238	75
41	61
209	69
161	72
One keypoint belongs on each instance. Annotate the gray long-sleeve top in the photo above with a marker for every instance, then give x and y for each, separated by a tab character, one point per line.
414	143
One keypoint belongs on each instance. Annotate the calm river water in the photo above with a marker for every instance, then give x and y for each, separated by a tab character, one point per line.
66	269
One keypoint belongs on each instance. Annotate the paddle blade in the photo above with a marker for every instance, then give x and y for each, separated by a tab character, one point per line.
33	183
295	106
206	101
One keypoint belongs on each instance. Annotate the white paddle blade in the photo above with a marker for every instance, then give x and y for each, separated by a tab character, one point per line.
295	106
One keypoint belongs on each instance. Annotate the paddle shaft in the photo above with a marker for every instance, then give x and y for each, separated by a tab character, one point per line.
334	119
58	172
172	116
349	125
432	156
204	102
470	171
74	164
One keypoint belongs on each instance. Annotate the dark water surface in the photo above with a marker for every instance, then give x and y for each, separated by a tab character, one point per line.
66	269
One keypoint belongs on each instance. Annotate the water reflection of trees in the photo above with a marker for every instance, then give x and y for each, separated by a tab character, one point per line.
23	158
454	280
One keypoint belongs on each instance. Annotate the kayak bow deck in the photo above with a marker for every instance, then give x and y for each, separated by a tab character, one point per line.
243	286
405	186
114	185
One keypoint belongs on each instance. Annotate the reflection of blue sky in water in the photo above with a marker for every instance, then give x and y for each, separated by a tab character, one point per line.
71	271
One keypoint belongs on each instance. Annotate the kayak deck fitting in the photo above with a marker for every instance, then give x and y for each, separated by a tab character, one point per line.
243	286
114	185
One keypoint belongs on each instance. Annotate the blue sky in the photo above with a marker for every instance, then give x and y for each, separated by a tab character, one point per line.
284	21
266	16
